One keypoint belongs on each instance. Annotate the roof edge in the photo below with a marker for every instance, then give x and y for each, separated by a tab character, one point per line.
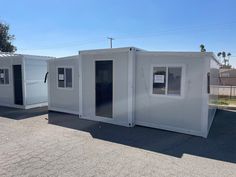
10	54
121	49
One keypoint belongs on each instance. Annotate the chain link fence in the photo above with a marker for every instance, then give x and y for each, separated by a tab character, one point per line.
224	91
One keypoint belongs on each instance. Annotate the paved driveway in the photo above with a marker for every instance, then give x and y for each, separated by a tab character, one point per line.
68	146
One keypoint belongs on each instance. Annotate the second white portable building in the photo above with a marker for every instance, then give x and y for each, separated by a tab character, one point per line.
129	86
22	80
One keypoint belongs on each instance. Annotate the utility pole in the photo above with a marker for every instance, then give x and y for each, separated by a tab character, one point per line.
111	39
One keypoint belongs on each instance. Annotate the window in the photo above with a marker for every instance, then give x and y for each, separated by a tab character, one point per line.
167	80
65	77
4	76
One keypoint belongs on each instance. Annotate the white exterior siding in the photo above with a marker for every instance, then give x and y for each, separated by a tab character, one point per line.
34	90
181	114
7	91
214	92
64	99
120	85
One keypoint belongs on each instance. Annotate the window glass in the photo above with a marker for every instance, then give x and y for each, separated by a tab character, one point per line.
6	76
159	80
2	76
69	77
174	80
61	78
65	77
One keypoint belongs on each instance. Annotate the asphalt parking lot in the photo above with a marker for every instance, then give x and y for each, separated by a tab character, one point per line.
68	146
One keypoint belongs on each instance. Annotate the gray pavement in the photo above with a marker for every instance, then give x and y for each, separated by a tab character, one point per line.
69	146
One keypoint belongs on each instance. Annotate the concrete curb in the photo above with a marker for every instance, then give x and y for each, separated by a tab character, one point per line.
231	107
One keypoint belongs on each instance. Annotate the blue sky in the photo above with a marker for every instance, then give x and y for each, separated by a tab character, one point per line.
61	28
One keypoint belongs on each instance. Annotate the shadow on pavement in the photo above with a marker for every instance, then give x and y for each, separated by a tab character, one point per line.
19	114
220	144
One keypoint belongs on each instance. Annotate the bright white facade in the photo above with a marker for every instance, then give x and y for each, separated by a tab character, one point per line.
129	86
22	80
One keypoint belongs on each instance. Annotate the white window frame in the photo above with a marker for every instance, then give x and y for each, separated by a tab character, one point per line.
4	84
182	82
65	67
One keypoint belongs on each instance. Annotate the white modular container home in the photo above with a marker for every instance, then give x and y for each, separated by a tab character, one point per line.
129	86
22	80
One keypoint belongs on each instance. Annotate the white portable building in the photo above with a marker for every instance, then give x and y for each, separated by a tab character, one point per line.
22	80
129	86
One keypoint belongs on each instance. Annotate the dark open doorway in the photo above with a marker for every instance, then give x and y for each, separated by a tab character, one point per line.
104	88
18	90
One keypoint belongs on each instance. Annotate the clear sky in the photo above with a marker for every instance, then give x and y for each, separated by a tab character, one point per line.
63	27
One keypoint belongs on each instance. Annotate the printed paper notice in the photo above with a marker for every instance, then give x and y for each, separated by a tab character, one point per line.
61	77
159	79
2	75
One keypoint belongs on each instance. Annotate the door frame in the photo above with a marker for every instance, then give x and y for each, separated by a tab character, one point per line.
105	119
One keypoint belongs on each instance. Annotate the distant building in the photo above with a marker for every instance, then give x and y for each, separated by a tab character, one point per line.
228	77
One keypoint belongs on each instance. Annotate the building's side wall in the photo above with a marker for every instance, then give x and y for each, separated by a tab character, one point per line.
183	114
213	96
63	99
120	85
7	91
35	89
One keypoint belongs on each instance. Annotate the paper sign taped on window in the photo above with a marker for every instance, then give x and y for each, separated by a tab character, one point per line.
61	77
159	79
2	75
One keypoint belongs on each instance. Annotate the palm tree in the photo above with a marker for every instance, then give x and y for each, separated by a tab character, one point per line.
228	56
225	57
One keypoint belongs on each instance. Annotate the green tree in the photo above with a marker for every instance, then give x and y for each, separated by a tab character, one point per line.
6	39
202	47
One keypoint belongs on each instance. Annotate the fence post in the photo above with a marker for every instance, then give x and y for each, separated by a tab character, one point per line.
231	92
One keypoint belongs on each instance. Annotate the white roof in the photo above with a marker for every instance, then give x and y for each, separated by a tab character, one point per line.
210	54
121	49
8	54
